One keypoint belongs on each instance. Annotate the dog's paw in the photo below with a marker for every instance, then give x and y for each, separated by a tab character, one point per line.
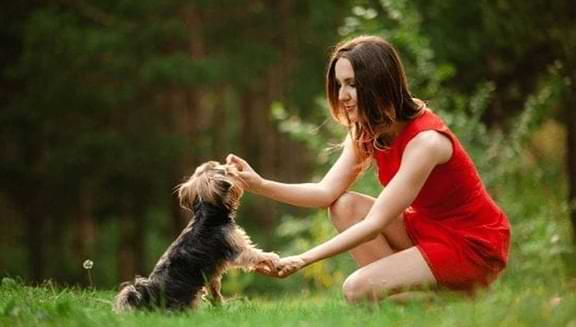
269	259
204	294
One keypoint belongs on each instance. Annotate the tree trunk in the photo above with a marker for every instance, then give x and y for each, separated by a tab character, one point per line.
220	126
568	45
186	112
36	250
126	259
570	108
247	131
131	252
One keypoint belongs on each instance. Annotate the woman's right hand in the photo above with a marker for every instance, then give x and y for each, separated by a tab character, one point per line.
250	178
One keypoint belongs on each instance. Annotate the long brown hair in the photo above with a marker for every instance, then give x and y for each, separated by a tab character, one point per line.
383	97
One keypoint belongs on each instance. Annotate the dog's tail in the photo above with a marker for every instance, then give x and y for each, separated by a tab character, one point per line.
128	299
131	296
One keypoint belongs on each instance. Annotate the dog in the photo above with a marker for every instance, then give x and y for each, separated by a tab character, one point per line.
210	244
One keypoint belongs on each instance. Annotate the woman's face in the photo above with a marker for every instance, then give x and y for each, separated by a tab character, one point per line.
346	88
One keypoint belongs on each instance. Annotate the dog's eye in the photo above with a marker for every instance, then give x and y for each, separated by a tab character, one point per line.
224	184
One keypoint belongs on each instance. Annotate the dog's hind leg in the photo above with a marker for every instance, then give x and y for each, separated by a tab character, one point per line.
214	286
196	301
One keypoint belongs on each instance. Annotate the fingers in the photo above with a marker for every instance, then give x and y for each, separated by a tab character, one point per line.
242	179
267	264
286	271
243	174
288	266
230	159
280	270
263	270
233	159
266	271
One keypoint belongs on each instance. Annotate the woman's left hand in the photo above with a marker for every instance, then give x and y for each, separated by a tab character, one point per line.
289	265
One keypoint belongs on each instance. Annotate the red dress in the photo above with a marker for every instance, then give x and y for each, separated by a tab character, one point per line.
460	231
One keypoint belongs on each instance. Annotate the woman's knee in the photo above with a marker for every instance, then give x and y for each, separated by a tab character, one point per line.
357	288
343	211
352	289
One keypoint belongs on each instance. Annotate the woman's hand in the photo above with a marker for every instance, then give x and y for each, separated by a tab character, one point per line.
268	264
251	180
289	265
266	271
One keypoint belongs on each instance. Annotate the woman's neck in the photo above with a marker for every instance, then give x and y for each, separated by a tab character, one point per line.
396	129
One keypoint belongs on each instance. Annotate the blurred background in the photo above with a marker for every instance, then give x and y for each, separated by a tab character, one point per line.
106	105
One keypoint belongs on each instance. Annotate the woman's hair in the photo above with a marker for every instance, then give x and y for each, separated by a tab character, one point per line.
382	92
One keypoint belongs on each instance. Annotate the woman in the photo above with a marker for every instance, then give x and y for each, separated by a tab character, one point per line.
432	225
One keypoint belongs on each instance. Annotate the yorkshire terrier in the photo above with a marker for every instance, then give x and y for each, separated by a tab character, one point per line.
210	245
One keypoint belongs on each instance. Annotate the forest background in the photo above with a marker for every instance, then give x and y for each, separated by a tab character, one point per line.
106	105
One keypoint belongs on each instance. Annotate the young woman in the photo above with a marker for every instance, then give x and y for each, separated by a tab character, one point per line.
433	224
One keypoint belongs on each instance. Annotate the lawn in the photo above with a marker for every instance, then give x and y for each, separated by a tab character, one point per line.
506	304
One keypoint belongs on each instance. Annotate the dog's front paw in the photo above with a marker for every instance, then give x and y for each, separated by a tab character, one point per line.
204	294
269	260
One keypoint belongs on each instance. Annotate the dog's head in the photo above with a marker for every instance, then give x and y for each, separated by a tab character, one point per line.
133	296
214	183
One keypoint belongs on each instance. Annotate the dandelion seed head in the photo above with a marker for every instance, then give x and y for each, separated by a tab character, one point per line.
88	264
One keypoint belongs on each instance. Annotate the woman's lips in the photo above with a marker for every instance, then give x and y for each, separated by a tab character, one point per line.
349	108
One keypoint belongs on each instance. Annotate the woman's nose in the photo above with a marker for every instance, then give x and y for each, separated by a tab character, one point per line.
343	94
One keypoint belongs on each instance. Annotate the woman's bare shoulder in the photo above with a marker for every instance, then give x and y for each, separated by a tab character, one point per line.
432	144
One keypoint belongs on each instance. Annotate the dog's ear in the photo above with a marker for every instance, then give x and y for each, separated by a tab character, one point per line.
231	190
188	192
224	184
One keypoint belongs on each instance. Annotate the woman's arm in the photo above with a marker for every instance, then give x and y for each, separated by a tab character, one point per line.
312	195
420	156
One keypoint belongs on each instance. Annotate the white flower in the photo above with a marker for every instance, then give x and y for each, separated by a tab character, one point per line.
88	264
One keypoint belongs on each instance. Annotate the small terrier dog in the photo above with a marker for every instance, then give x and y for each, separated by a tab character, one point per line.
210	244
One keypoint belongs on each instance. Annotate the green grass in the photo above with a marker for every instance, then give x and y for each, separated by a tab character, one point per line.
527	305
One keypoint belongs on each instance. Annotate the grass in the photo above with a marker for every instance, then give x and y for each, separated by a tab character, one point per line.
504	305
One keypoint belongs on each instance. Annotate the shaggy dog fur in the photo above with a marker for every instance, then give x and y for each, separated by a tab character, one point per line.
210	244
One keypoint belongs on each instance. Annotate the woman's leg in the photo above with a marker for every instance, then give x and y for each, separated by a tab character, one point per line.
391	276
351	208
389	264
